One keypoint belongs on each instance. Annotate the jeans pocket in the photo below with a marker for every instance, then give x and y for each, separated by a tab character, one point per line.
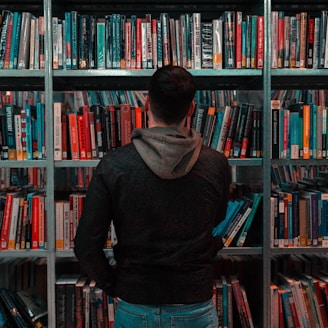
126	318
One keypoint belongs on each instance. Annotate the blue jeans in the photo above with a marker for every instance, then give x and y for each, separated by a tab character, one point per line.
200	315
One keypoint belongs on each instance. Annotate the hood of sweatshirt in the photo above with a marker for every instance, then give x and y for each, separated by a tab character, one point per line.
169	152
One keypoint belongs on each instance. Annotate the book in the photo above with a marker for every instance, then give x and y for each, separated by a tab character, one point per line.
125	124
257	197
238	297
24	41
35	306
232	130
229	39
73	136
237	221
6	221
13	222
58	143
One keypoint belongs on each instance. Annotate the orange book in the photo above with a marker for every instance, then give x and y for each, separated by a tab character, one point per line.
138	117
73	136
5	228
306	131
125	122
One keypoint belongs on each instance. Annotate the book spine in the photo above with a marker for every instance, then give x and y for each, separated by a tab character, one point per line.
74	39
281	39
125	122
57	131
196	34
217	43
260	42
239	21
101	49
41	43
229	39
35	216
73	136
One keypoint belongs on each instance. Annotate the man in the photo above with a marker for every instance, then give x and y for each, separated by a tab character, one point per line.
165	192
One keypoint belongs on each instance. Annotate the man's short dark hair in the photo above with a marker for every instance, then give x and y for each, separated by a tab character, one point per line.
171	91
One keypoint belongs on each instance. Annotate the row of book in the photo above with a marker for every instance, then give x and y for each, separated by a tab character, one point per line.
231	302
233	40
299	210
298	131
299	301
23	220
300	40
22	131
81	303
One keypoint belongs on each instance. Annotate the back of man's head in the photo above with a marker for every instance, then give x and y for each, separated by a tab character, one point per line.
171	92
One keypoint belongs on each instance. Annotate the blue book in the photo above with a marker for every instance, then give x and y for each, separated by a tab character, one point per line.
40	130
68	40
232	209
10	131
217	129
29	150
74	38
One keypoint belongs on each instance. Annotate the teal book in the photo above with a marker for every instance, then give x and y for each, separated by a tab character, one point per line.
257	197
68	40
254	42
232	209
101	49
74	37
217	129
40	130
17	18
294	135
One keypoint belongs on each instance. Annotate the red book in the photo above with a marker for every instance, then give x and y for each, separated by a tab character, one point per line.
81	137
87	132
310	43
232	131
73	136
5	228
138	43
125	121
247	131
8	41
239	19
260	42
35	215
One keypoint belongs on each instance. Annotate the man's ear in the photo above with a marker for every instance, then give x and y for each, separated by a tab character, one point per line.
191	109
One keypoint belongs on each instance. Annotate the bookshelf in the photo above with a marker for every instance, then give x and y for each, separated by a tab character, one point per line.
265	80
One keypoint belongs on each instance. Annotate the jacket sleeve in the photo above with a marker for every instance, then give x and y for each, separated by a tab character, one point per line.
92	232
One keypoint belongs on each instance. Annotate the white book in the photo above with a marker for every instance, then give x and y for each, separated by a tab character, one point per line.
224	129
57	132
196	35
59	215
13	223
217	43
